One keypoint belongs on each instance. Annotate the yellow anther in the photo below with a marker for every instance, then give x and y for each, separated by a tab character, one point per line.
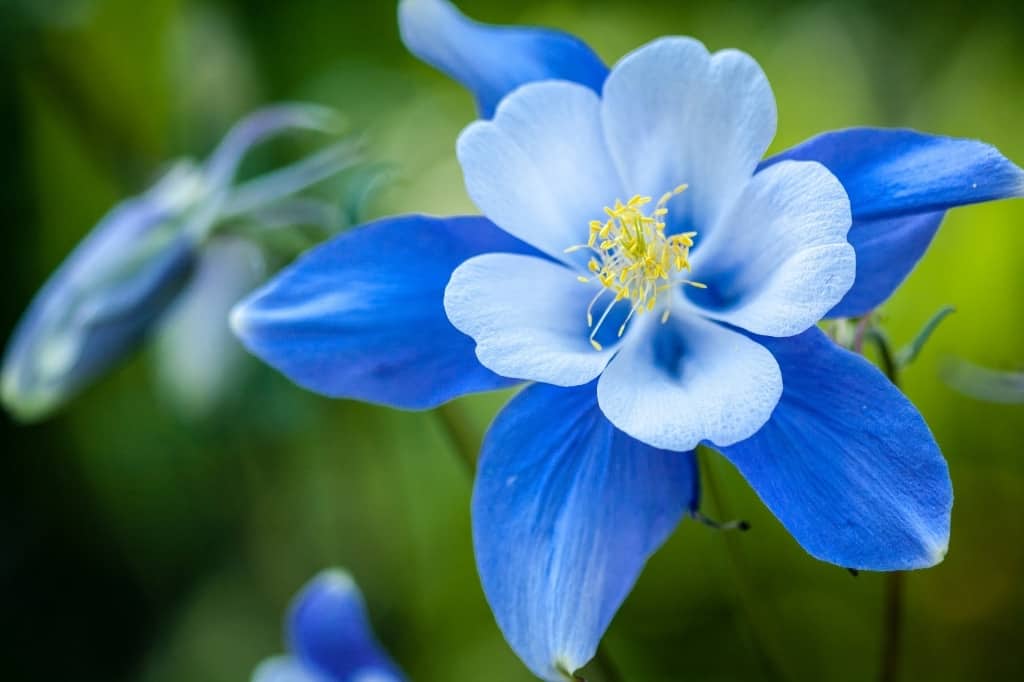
635	259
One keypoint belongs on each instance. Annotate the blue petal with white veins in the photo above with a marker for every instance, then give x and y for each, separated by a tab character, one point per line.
674	385
778	260
900	182
674	113
491	61
541	170
528	317
362	316
566	511
847	463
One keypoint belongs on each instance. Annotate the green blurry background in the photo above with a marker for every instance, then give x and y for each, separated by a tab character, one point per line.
147	536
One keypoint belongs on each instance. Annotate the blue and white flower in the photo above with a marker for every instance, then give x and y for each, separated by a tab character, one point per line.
111	290
659	284
329	638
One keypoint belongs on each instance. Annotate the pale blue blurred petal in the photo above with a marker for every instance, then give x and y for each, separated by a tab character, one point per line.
260	126
282	183
103	300
199	360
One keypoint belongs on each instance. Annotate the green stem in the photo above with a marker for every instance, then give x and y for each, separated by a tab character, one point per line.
464	442
885	354
892	611
462	439
892	628
606	666
748	596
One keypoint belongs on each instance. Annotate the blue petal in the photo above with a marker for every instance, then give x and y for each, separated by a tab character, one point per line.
566	510
674	114
901	181
674	385
491	61
528	317
847	463
779	260
541	170
887	250
328	631
362	315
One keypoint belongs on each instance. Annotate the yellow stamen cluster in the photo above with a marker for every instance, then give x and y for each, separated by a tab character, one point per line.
634	259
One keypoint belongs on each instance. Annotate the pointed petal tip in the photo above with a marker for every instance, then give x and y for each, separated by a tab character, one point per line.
849	466
555	572
239	321
938	554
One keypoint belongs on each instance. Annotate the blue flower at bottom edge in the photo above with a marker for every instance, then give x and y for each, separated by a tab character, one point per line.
330	638
659	283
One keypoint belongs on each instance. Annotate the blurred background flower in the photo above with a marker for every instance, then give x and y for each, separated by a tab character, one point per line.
149	546
329	637
104	299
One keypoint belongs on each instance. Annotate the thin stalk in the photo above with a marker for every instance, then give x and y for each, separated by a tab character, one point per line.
464	442
604	665
771	672
892	611
892	628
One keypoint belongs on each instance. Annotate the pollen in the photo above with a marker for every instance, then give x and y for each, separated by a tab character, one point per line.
634	260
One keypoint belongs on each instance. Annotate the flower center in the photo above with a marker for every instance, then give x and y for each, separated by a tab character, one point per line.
634	259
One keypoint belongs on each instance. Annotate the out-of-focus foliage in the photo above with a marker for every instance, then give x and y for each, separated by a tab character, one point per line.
146	542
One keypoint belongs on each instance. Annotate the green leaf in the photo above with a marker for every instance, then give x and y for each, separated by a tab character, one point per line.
909	353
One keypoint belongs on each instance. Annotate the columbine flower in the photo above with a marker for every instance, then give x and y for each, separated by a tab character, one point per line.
660	284
330	638
107	295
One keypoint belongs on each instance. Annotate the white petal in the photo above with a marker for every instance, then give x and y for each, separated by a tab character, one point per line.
674	385
778	260
528	318
675	114
540	170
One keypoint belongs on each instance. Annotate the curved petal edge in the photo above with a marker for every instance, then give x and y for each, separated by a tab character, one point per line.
847	463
